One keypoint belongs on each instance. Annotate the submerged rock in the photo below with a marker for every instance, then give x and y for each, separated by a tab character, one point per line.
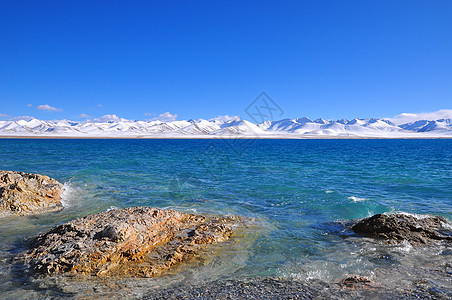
134	241
356	282
25	193
277	288
247	288
399	227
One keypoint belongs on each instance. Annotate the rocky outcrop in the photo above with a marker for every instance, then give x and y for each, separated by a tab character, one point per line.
399	227
25	193
134	241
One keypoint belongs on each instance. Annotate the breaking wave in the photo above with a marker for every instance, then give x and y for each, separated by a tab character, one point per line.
68	195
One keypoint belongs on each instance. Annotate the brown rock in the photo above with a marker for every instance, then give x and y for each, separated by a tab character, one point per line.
134	241
356	282
25	193
399	227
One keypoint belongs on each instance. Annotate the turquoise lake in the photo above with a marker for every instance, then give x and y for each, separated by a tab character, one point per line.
299	191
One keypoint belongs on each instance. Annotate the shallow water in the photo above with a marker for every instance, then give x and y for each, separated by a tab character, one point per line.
297	189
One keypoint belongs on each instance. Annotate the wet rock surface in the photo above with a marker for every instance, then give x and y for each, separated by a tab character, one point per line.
26	193
269	288
134	241
253	288
356	282
400	227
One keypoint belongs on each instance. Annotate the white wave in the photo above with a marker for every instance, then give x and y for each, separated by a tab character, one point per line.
405	246
357	199
112	208
370	214
328	192
67	195
417	216
447	225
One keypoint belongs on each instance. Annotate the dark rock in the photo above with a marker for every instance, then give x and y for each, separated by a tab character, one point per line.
249	288
269	288
25	193
355	282
134	241
399	227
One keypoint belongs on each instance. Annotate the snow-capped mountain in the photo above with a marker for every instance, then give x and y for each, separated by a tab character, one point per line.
231	127
427	126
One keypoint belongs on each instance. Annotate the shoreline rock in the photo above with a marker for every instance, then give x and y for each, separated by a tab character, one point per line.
134	241
399	227
279	288
27	193
356	282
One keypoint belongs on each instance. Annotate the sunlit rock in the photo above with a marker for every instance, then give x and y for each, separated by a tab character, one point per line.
25	193
134	241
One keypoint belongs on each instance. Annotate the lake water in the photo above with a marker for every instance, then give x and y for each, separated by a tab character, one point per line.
300	191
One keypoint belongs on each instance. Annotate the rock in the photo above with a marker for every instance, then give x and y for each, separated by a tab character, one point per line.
25	193
355	282
246	288
134	241
399	227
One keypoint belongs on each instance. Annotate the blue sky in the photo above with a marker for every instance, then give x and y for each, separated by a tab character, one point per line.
201	59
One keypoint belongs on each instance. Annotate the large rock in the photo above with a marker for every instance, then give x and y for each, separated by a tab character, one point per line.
134	241
399	227
25	193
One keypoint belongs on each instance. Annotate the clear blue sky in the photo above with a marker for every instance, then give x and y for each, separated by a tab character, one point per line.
200	59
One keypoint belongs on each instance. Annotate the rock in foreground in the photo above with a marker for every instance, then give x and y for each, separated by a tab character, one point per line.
269	288
134	241
25	193
399	227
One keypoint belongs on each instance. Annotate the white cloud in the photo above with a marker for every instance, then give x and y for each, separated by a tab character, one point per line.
99	105
84	116
3	115
165	117
48	107
431	116
108	118
29	105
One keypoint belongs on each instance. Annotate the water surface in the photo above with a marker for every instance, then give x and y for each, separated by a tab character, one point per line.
297	189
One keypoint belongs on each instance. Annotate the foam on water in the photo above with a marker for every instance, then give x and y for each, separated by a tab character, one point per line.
68	194
112	208
357	199
405	246
447	225
417	216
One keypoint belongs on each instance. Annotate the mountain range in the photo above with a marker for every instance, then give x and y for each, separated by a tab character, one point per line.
235	127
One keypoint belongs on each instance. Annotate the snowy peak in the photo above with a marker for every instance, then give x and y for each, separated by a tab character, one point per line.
224	127
426	126
303	120
320	121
